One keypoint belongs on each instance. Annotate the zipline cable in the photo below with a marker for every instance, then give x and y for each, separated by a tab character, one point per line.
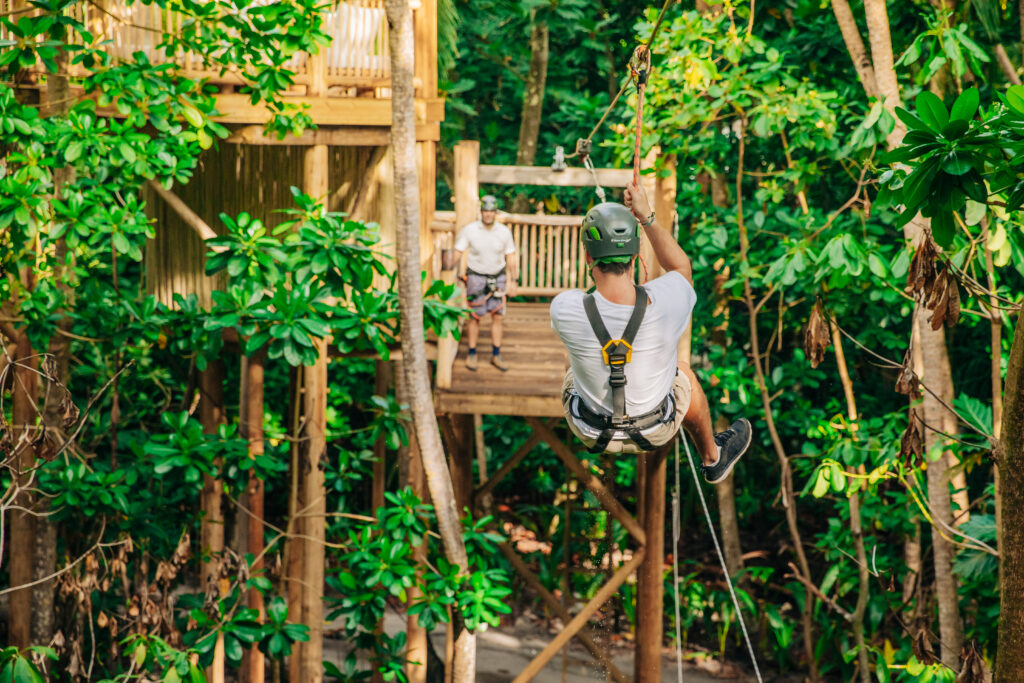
718	549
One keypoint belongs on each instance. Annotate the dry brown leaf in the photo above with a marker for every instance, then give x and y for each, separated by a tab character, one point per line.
816	337
973	668
921	274
912	442
921	643
907	383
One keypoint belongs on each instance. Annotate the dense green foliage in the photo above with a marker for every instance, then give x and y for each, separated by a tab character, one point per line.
787	202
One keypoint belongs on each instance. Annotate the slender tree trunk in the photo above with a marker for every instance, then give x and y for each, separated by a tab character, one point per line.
855	46
253	666
785	471
403	141
533	99
58	98
1005	65
996	374
1010	660
935	371
856	528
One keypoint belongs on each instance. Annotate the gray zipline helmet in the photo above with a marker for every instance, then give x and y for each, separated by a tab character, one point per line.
489	203
610	233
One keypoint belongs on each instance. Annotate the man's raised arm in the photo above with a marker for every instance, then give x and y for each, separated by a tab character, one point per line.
668	252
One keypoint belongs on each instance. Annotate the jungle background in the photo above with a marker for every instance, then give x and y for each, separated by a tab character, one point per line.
861	529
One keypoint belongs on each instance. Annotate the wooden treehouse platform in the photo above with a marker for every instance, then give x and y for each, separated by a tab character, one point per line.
533	383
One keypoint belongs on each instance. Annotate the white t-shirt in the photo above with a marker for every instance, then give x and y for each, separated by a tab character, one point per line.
485	247
649	375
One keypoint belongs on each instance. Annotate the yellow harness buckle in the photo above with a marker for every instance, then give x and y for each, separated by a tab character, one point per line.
618	360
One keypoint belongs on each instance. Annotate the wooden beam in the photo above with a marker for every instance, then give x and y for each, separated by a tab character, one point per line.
325	111
650	591
342	136
510	464
186	214
497	404
583	635
610	503
580	620
541	175
444	221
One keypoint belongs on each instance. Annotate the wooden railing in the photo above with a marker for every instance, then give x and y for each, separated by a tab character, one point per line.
357	59
550	254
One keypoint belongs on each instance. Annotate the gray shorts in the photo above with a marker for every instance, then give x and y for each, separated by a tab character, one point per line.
658	436
481	302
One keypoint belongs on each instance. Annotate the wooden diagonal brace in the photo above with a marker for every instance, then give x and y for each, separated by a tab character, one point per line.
580	620
510	464
594	484
583	635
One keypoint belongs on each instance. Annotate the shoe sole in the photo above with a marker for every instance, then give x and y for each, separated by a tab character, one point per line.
505	369
728	470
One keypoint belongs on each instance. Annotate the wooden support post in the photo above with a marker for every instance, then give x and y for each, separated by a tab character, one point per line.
582	473
467	199
650	577
22	542
211	415
306	661
510	464
253	667
416	635
480	448
580	620
458	435
583	635
381	384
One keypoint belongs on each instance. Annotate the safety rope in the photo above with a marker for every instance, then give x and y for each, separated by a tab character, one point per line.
718	549
585	143
675	569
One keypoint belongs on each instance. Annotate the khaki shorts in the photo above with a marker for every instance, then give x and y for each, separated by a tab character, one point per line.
658	436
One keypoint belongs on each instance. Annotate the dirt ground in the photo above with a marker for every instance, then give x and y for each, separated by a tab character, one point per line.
502	653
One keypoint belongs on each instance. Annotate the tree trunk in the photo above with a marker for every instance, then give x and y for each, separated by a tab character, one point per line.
1005	65
935	368
211	415
855	46
1010	660
58	98
856	528
414	355
533	100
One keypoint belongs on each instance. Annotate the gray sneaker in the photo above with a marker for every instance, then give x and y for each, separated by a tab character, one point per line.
497	362
471	362
732	444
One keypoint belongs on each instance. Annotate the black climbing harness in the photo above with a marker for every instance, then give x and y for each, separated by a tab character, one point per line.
616	354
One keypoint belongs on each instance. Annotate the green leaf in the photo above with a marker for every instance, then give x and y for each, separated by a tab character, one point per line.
943	228
966	105
931	109
975	212
957	163
820	484
73	151
1015	98
913	122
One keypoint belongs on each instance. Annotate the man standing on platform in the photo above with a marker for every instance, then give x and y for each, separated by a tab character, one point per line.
490	276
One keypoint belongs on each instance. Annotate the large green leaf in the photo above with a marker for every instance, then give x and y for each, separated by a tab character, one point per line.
943	228
966	105
932	111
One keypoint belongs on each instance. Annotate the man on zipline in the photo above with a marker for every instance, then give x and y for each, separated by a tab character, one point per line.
490	278
632	393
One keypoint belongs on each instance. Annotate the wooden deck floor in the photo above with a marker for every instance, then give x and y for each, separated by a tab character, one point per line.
533	383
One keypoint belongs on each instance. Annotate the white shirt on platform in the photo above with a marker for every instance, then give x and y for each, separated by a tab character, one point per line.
485	247
650	373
